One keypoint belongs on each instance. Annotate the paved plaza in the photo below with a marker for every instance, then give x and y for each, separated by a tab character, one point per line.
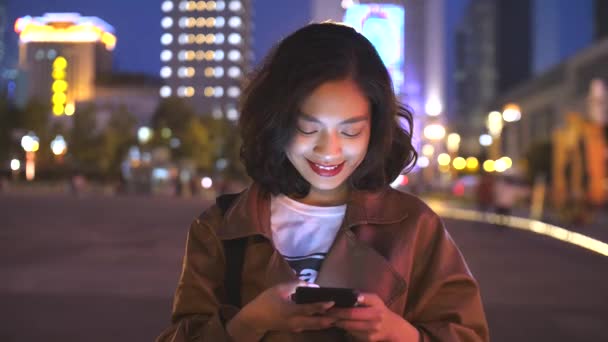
97	268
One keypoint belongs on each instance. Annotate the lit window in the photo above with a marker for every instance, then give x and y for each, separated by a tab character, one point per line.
183	22
166	55
234	55
208	71
190	55
201	5
39	55
232	114
234	38
191	6
211	22
200	22
190	72
211	5
183	39
200	38
200	55
209	55
234	72
165	91
166	22
183	6
189	91
51	54
235	6
181	55
166	39
181	91
218	92
209	91
191	38
234	92
219	38
220	6
181	72
165	72
218	72
219	55
220	22
191	22
167	6
235	22
216	113
212	37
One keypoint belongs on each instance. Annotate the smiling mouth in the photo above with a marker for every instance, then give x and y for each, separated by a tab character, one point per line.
326	170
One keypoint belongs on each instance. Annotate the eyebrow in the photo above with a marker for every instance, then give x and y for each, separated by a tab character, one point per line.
310	118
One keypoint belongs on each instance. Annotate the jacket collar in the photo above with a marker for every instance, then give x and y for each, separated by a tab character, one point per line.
250	213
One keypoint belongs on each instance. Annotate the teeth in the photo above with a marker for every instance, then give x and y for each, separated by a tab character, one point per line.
326	167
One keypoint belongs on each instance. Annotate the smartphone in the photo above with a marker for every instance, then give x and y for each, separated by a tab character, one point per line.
343	297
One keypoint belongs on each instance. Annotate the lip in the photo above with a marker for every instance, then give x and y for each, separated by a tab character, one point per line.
323	172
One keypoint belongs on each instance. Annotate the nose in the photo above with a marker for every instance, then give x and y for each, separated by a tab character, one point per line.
329	147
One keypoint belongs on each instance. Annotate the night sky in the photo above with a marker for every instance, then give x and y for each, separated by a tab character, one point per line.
137	25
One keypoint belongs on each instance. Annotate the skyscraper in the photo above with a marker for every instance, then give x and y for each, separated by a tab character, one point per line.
3	27
493	54
60	56
206	52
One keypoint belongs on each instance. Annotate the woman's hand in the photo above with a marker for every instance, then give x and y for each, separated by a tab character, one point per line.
373	321
273	310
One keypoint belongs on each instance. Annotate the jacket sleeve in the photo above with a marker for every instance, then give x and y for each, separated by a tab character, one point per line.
444	297
198	314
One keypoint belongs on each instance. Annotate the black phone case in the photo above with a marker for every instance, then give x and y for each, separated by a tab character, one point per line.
342	297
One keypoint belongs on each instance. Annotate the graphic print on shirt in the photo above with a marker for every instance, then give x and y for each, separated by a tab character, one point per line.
306	267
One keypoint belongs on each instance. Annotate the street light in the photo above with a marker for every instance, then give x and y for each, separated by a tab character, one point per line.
59	147
434	131
511	113
453	142
495	125
30	144
144	134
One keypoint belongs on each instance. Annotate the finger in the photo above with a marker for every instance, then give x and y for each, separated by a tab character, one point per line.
300	323
356	314
359	326
370	299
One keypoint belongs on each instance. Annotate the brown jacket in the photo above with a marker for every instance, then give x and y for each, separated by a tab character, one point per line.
390	243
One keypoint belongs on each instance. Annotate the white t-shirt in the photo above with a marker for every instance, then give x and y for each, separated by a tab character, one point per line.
304	233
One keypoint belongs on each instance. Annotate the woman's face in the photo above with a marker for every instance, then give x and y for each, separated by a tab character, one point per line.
331	140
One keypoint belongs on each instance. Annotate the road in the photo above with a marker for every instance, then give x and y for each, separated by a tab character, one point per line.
105	268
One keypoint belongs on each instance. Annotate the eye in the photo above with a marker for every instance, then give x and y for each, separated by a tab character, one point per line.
351	133
306	131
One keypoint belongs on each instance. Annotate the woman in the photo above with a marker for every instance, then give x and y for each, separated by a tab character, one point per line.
323	137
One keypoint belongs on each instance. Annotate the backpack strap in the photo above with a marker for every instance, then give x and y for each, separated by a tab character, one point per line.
234	251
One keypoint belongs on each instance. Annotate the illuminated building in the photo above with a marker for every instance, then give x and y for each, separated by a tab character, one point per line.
206	51
493	55
3	26
60	56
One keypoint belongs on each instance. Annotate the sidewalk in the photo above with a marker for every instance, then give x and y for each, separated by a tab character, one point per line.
597	228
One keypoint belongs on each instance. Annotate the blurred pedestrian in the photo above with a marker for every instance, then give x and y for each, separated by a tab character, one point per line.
485	192
323	137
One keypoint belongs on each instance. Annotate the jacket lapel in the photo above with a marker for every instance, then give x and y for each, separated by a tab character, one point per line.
351	263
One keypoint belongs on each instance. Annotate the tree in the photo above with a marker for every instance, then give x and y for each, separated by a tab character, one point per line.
84	142
115	140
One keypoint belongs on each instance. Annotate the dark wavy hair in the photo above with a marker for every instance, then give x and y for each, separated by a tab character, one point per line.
270	105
